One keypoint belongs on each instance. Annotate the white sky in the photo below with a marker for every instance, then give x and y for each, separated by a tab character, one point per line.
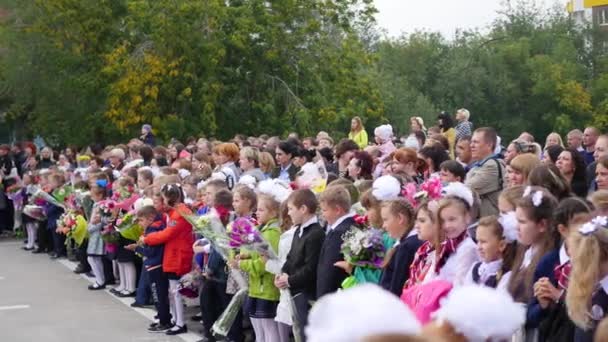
398	16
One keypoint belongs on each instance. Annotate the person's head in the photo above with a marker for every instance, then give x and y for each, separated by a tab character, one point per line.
599	199
463	115
98	193
146	154
117	155
552	153
172	194
444	121
146	129
575	138
301	206
356	125
427	223
145	178
309	143
571	163
223	200
534	213
483	143
433	156
438	139
345	150
601	173
520	167
417	124
383	134
211	188
225	152
56	180
284	153
47	153
372	208
571	213
463	149
549	177
507	200
244	200
249	158
146	215
588	249
590	136
492	244
325	142
335	203
360	166
452	171
601	147
406	161
267	163
268	208
454	216
398	217
554	139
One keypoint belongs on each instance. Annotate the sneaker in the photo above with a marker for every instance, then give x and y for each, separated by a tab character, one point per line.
159	328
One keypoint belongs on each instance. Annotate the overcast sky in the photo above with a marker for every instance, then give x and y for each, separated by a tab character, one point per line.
397	16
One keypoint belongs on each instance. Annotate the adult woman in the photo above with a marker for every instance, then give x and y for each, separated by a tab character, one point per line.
357	132
433	156
417	124
267	164
550	178
345	150
446	124
177	239
520	167
406	161
225	156
551	154
249	161
30	162
360	167
46	158
601	173
572	166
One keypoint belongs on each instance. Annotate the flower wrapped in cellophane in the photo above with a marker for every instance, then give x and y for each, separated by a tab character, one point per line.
36	212
74	226
107	208
245	236
190	283
38	193
16	194
128	227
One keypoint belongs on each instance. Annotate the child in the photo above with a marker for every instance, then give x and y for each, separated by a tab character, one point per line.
335	206
497	245
125	258
209	191
31	225
263	295
429	232
587	295
153	221
457	253
299	271
244	201
398	221
508	199
95	247
145	178
452	171
56	181
547	310
537	237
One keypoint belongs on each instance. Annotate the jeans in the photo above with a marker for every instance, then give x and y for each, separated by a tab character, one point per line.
143	295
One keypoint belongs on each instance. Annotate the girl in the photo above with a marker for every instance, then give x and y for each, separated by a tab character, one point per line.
547	310
508	199
357	132
263	295
457	252
122	189
497	246
601	173
428	231
587	295
177	258
31	225
550	178
537	237
244	201
398	221
95	247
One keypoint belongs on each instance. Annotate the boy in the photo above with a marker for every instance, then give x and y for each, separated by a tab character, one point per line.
335	209
300	268
211	188
452	171
153	221
53	213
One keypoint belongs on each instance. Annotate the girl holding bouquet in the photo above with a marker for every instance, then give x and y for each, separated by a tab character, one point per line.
177	259
31	224
95	247
263	295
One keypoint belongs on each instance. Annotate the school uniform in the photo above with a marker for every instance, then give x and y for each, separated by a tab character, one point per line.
599	307
545	268
485	273
330	277
397	271
458	263
53	213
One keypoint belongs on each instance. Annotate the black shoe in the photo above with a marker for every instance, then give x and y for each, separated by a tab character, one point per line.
56	256
37	251
90	274
197	318
160	328
176	330
114	291
80	270
27	248
96	287
126	294
137	305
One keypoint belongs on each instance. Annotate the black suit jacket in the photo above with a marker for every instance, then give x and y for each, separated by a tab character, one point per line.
330	277
292	171
303	258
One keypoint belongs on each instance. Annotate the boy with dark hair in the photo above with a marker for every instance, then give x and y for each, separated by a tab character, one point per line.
452	171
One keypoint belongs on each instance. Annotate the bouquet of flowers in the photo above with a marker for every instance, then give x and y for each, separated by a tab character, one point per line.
128	227
16	194
62	193
363	247
36	212
106	208
74	225
110	235
210	227
430	189
190	283
244	235
38	193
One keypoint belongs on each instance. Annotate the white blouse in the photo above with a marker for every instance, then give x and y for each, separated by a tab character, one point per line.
274	267
458	264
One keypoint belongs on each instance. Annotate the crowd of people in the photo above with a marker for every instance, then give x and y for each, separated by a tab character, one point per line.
445	234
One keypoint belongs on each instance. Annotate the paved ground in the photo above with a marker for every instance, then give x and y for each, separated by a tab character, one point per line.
42	300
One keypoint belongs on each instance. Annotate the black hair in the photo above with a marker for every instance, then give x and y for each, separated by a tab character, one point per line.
554	151
455	168
327	153
436	153
344	146
173	193
446	121
288	147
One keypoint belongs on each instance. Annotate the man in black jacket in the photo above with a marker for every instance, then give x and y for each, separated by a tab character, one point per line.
300	268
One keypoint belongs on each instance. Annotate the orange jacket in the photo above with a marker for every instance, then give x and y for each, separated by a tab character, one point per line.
178	239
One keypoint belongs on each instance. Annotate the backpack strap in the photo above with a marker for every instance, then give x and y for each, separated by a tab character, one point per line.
500	178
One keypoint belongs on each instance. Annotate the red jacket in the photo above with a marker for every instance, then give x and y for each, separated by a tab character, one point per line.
178	239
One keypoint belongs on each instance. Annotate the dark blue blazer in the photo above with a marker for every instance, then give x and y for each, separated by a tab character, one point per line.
53	213
330	277
153	254
545	268
397	271
599	304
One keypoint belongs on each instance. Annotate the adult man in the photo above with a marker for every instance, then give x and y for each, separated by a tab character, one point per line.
575	140
589	139
486	175
464	126
600	150
527	137
463	151
117	157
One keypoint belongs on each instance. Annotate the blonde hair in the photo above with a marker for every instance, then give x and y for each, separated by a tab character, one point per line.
266	162
524	163
512	195
359	125
270	203
591	249
336	196
559	139
600	200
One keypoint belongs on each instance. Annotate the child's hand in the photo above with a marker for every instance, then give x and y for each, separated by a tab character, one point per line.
141	240
281	281
348	268
548	291
234	264
131	247
198	249
264	258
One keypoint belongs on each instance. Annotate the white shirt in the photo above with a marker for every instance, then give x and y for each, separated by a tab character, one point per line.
528	256
563	255
604	284
307	224
331	227
458	264
274	267
486	270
